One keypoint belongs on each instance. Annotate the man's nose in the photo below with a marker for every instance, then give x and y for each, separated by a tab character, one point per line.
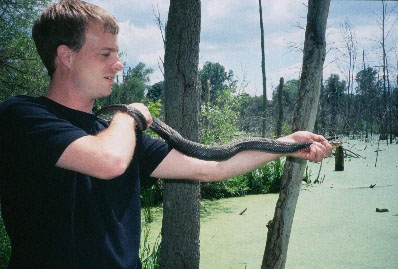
118	65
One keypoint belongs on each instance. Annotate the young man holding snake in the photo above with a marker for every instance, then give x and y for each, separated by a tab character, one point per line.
69	189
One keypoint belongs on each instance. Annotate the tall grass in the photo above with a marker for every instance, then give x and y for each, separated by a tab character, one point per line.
149	252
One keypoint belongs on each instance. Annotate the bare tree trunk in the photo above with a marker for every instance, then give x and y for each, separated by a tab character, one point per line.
181	207
279	228
367	120
280	108
265	101
351	46
384	120
389	105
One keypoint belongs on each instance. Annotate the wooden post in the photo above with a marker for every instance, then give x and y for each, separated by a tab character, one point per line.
339	159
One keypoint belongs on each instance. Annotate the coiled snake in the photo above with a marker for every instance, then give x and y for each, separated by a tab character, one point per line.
197	150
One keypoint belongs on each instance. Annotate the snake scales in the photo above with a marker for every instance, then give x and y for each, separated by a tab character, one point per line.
196	150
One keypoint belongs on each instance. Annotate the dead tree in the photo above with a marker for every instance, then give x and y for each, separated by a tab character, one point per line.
279	124
313	59
265	101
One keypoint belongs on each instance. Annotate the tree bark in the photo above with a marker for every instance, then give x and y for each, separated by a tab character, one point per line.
279	228
181	209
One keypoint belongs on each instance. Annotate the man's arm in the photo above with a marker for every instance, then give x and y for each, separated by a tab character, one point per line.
178	166
107	154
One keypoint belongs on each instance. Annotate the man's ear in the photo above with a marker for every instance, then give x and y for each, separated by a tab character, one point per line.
64	55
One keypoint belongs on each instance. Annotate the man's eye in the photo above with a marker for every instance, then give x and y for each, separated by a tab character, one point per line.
106	54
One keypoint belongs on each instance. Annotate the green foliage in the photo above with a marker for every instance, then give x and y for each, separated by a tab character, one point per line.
219	122
151	188
334	103
155	107
21	71
289	100
250	119
156	92
345	111
219	127
286	128
233	187
5	246
150	254
266	179
149	251
220	80
148	200
131	88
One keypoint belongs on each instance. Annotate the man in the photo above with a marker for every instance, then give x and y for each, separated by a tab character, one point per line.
70	191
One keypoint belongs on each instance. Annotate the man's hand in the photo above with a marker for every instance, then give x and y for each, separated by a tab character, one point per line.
319	149
144	111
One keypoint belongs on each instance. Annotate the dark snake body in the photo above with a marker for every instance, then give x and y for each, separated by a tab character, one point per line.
197	150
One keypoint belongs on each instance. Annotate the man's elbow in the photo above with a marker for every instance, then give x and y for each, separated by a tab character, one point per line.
113	168
208	177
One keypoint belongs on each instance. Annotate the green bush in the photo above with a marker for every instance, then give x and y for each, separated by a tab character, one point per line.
219	124
237	186
266	179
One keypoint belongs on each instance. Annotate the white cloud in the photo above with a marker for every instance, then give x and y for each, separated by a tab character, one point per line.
141	44
230	35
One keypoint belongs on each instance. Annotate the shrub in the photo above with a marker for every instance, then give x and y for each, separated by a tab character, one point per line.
237	186
266	179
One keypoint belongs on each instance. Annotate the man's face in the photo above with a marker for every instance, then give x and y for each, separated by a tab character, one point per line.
94	66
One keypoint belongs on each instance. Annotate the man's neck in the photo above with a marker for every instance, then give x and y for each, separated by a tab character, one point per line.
70	98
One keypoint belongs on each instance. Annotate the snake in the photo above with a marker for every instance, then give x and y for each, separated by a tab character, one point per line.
205	152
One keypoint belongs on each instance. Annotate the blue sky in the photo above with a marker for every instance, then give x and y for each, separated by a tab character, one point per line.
230	35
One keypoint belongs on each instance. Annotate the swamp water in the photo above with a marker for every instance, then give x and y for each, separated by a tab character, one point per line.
335	224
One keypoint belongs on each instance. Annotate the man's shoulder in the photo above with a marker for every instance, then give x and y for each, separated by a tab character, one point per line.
21	111
19	102
20	99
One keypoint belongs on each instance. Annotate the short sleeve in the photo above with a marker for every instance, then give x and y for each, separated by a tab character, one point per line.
35	133
153	153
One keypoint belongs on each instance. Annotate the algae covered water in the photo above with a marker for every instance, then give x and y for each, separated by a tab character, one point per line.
335	224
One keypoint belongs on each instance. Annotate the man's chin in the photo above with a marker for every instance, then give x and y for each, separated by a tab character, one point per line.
107	92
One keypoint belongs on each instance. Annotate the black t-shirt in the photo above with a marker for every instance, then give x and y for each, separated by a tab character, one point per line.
58	218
